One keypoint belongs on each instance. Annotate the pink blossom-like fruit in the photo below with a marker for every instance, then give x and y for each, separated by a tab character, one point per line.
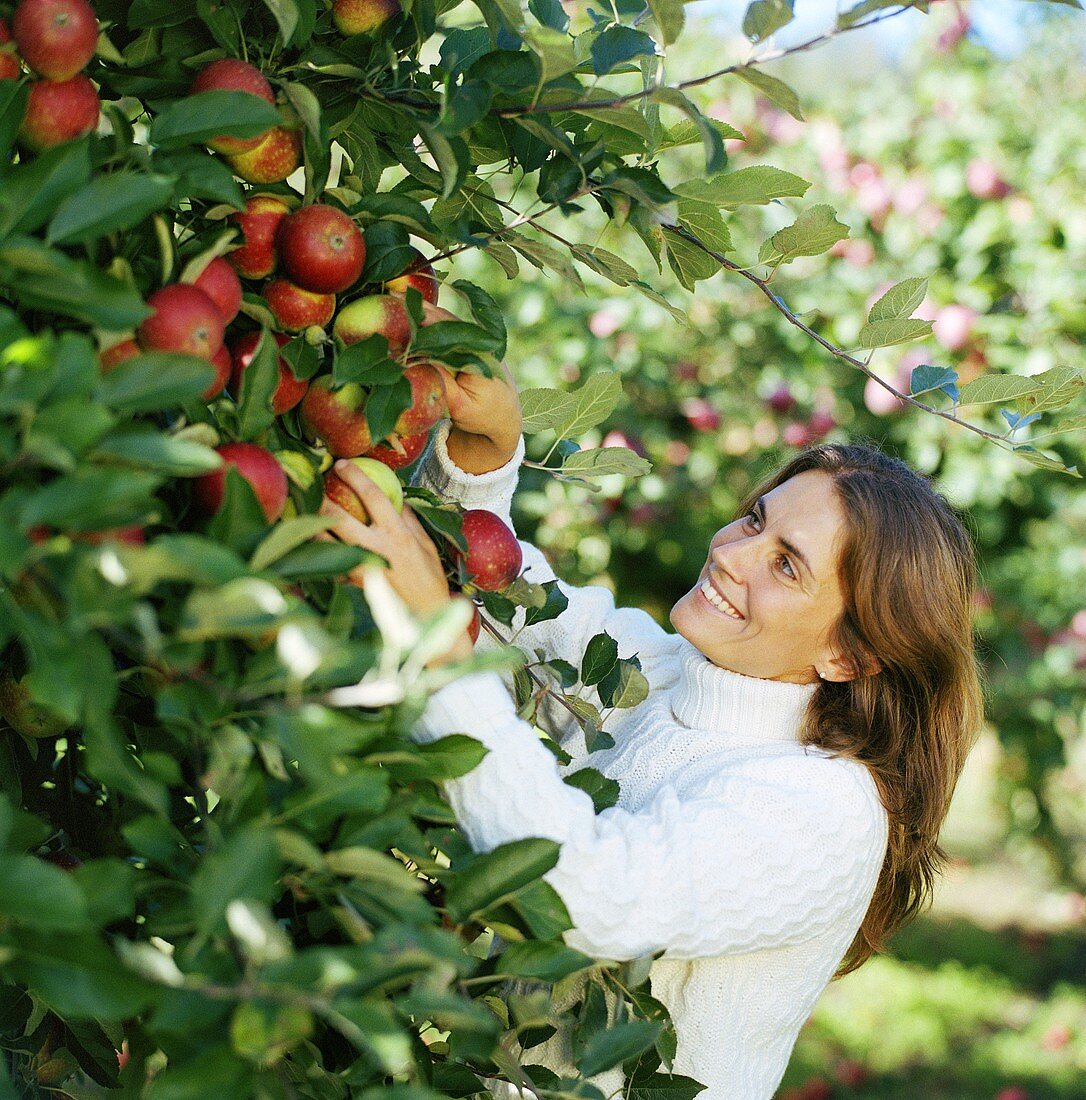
953	327
701	415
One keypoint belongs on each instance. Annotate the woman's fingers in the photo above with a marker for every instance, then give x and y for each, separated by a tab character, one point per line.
353	531
379	507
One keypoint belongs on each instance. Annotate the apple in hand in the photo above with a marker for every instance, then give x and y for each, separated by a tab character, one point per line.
377	313
337	417
259	222
423	280
399	451
219	281
362	16
428	400
233	75
276	157
55	37
185	320
259	468
494	558
321	249
295	309
339	492
58	111
290	389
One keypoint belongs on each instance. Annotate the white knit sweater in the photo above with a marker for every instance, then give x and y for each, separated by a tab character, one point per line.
747	858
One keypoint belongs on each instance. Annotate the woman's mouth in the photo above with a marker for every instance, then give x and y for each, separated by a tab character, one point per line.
713	597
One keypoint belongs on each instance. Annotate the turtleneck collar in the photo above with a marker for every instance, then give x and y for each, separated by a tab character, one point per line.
708	697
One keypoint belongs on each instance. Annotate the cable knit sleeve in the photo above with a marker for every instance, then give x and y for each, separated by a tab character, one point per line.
776	852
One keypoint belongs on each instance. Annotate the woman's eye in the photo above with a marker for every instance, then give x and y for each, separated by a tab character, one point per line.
751	519
786	566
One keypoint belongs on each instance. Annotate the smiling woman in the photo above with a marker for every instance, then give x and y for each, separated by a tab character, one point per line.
783	784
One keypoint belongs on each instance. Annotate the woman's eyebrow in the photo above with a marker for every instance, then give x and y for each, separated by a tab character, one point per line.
790	547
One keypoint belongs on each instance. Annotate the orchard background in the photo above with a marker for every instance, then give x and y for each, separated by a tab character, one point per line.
226	862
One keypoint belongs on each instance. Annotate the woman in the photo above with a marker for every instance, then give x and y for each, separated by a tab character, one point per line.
783	785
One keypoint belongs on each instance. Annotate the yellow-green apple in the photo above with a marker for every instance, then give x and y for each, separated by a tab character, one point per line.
185	320
221	362
55	37
377	313
399	451
58	111
321	249
232	75
259	222
337	417
422	279
290	389
494	556
339	492
10	68
296	309
219	281
276	157
23	714
362	16
259	468
113	356
428	401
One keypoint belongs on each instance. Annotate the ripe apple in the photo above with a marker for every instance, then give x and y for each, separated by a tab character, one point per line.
337	417
475	625
296	309
428	401
259	222
259	468
185	320
232	75
362	16
23	714
276	157
10	68
423	280
58	111
339	492
113	356
399	451
55	37
221	362
377	313
219	281
321	249
494	556
290	389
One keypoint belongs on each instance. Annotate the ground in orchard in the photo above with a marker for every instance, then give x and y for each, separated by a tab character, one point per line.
984	997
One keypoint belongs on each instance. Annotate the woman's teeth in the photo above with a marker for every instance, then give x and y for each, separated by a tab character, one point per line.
718	601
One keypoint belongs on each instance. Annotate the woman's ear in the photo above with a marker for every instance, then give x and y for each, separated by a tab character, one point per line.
840	669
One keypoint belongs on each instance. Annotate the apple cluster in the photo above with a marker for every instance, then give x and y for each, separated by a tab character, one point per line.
56	40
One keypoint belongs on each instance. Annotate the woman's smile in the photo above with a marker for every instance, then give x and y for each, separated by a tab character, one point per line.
718	602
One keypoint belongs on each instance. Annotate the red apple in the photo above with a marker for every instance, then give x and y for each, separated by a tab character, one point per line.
423	280
290	389
276	157
259	468
361	16
221	361
339	492
232	75
296	309
494	556
337	417
321	249
259	222
475	625
113	356
55	37
397	452
10	69
58	111
185	320
377	313
428	401
219	281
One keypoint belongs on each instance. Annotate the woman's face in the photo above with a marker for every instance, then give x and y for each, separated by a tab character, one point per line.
775	573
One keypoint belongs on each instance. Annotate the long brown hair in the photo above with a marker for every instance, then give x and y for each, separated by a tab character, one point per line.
907	573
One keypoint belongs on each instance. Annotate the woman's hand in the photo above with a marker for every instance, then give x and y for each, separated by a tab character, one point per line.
414	567
485	412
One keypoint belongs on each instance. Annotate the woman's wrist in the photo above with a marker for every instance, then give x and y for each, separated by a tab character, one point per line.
479	454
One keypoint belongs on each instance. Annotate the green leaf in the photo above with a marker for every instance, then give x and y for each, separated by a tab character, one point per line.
92	498
37	893
600	461
32	192
108	204
592	404
546	962
451	157
669	16
198	118
899	301
286	15
13	95
451	756
815	231
663	1086
493	876
544	256
715	156
754	186
555	51
625	687
603	791
542	910
992	389
606	264
616	45
259	381
145	448
896	330
155	380
1056	387
110	762
706	223
690	263
926	378
764	17
774	90
600	656
319	559
244	608
616	1044
285	536
622	116
245	866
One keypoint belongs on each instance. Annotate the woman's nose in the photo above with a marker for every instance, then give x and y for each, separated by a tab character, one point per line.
731	558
